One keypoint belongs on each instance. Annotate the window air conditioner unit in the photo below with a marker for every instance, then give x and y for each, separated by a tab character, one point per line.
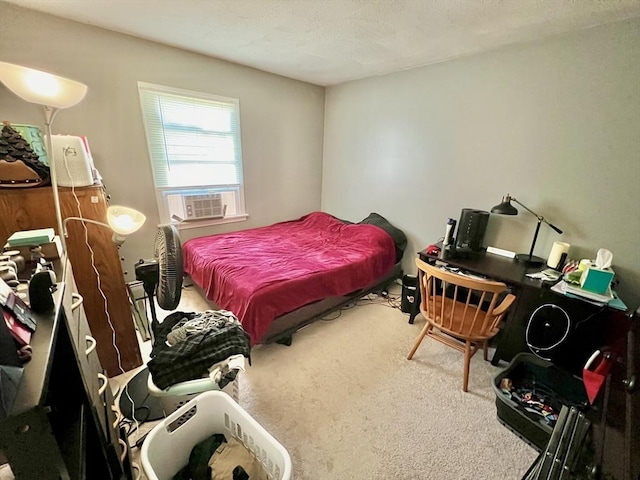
199	207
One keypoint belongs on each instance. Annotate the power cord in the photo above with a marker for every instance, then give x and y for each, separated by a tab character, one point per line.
385	298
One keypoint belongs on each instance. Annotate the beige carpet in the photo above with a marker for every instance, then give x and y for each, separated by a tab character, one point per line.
346	404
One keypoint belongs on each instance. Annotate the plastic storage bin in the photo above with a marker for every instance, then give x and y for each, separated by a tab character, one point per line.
167	447
558	386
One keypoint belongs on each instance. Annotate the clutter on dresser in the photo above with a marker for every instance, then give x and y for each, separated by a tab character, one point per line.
29	247
17	317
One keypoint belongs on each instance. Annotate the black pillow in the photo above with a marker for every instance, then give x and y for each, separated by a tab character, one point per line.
399	238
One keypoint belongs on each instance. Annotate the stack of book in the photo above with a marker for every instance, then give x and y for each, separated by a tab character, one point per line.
31	237
45	238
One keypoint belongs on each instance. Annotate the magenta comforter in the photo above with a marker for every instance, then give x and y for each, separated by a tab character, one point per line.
262	273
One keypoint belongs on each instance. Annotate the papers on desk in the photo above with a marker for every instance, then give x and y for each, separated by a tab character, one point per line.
460	271
610	298
547	275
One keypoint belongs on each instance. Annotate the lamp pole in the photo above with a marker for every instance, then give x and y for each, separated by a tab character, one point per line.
49	115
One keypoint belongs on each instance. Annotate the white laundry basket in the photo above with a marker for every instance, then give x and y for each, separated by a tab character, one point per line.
179	394
167	447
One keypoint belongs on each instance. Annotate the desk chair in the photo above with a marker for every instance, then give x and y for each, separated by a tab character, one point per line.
466	321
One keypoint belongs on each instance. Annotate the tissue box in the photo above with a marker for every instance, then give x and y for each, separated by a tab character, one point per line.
596	280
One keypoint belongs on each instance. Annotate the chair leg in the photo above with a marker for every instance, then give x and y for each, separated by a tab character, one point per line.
467	360
418	341
485	347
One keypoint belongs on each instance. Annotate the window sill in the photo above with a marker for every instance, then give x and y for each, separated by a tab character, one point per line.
212	222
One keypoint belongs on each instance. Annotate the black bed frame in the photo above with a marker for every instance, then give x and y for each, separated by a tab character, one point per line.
283	327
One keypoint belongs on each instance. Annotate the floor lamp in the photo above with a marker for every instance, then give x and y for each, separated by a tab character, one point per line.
52	93
505	208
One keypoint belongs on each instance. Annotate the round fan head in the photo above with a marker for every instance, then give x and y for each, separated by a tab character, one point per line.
168	252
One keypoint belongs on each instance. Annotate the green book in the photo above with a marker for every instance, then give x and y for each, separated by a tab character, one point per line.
31	237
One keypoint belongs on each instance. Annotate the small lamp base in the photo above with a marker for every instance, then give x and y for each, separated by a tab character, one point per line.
529	260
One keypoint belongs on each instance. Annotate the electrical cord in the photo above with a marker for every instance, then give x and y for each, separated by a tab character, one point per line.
386	300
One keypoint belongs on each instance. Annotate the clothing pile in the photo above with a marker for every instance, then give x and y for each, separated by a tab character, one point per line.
189	346
215	458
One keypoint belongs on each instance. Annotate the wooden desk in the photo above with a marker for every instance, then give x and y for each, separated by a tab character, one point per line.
589	322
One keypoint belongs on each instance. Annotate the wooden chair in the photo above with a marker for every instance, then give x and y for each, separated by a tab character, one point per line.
465	322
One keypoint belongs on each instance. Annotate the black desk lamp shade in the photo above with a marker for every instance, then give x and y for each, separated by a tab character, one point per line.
505	208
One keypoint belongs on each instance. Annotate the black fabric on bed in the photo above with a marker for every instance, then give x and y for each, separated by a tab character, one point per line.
399	238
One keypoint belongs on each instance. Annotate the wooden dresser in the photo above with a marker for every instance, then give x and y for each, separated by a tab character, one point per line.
31	208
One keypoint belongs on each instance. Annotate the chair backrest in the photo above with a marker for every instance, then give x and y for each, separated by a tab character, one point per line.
470	310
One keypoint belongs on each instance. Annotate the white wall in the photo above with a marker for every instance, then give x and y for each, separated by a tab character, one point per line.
281	119
555	123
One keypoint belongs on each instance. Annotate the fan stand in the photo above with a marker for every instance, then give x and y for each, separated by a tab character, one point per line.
135	399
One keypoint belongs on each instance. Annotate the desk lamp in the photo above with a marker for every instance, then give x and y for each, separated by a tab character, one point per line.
122	220
505	208
53	93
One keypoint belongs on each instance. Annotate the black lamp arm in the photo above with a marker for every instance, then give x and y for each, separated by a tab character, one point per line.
539	217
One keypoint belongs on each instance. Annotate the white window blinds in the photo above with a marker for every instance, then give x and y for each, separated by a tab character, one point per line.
194	138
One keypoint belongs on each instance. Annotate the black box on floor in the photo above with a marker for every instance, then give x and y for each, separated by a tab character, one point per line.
528	373
409	293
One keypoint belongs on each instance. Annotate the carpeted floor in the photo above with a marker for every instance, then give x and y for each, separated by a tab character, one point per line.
346	404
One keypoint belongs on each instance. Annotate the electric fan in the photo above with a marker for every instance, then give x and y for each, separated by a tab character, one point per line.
161	278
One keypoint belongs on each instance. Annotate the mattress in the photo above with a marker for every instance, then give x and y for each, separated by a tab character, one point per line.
262	273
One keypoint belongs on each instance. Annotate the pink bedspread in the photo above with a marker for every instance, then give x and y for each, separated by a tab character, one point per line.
262	273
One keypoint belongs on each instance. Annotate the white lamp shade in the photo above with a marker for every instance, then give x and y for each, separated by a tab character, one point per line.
124	220
40	87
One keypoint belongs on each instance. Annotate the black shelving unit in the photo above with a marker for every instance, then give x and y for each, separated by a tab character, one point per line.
61	425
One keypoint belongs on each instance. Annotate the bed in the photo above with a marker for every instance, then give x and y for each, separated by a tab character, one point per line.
278	278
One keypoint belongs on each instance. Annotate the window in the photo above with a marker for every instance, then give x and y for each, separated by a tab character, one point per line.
195	153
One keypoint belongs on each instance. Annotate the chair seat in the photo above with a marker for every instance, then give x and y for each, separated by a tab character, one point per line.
473	333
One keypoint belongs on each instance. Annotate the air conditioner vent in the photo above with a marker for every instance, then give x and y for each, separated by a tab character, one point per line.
198	207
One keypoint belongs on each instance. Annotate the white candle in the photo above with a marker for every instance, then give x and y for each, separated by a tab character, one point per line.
556	254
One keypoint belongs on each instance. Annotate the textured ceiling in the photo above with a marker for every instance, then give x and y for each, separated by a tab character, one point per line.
327	42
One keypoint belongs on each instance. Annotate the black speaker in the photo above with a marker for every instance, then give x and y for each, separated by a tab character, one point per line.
471	229
40	288
409	293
